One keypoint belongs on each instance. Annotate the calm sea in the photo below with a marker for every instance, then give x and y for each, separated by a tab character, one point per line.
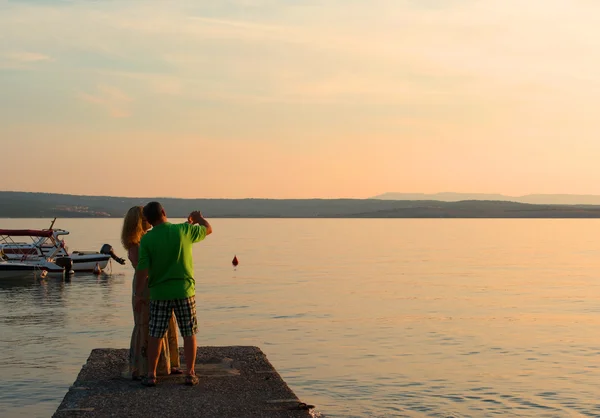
363	318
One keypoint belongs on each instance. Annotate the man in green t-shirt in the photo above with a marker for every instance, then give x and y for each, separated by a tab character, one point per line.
166	267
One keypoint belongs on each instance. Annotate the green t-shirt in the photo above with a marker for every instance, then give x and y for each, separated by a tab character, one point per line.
166	251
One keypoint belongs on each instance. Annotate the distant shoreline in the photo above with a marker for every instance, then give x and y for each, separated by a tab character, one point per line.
44	205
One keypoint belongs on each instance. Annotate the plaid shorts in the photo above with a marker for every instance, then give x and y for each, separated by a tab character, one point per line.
185	312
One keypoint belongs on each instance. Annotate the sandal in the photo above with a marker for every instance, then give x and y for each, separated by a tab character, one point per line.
191	380
149	381
302	407
175	370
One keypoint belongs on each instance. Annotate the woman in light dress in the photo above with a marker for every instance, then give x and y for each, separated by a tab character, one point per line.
134	227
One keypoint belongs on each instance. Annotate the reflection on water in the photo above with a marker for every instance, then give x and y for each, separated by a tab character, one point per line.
364	318
48	328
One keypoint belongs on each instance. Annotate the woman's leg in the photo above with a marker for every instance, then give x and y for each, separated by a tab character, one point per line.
138	343
173	344
164	358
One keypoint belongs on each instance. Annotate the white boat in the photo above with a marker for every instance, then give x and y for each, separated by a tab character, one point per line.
29	264
41	268
49	244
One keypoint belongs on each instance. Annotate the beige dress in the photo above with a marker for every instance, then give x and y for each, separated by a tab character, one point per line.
138	356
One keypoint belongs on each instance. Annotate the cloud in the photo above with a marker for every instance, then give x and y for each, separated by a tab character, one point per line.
382	52
27	57
21	59
423	79
111	99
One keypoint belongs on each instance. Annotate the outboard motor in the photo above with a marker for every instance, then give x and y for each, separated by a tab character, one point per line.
108	249
66	263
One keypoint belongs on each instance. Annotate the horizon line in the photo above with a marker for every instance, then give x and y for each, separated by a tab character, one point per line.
373	197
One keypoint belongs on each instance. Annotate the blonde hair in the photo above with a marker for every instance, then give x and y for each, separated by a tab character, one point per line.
133	227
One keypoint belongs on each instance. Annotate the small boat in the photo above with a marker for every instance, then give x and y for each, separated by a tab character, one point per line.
50	244
30	264
15	269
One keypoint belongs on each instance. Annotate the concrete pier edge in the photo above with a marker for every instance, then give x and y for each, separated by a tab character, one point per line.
235	381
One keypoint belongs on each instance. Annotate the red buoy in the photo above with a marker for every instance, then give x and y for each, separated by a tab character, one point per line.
235	261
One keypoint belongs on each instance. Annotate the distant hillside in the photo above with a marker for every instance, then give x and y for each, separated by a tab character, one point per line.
538	199
44	205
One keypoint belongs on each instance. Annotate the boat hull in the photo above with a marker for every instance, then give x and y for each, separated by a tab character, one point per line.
87	262
82	261
11	270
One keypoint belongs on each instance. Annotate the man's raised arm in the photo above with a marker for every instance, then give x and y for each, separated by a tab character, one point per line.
197	218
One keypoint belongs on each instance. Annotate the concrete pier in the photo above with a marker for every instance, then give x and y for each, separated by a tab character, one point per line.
234	382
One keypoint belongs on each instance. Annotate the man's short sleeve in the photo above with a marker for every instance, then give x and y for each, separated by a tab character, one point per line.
195	233
143	257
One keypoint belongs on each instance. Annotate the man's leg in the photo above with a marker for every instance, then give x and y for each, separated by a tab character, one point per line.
154	349
185	312
160	313
189	349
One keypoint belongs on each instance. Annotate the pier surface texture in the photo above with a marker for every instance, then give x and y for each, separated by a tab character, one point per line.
234	382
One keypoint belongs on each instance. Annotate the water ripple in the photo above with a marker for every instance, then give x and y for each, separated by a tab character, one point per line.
417	319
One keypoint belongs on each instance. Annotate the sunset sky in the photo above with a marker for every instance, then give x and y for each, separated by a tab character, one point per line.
298	99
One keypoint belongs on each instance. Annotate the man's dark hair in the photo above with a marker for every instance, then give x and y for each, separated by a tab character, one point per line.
153	212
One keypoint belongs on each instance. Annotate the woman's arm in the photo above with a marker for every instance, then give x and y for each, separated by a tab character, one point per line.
133	255
141	276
